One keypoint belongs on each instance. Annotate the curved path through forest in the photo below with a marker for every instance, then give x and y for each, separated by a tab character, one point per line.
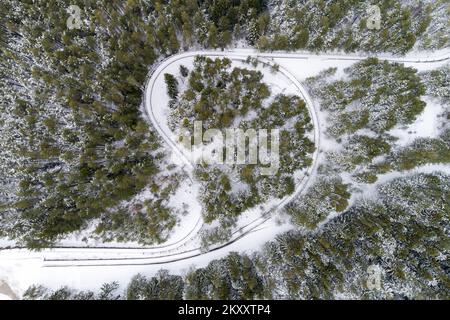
183	248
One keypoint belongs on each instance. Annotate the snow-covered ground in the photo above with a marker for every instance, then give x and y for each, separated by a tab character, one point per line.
156	105
426	125
22	268
88	268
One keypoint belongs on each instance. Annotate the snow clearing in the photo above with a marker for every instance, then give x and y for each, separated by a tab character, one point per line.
75	263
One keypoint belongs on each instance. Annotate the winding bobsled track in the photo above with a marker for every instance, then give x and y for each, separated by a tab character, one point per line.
188	246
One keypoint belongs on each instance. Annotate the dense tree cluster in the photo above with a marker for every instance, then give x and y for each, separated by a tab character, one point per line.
362	109
359	150
71	126
374	98
404	234
172	86
146	222
225	97
74	140
234	277
420	152
84	145
216	93
326	25
437	34
107	292
75	143
326	196
360	156
377	95
163	286
437	82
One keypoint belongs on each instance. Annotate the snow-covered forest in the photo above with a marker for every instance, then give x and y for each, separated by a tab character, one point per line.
364	144
222	97
404	231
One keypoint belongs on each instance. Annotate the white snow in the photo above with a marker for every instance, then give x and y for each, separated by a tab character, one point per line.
21	268
426	125
4	297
